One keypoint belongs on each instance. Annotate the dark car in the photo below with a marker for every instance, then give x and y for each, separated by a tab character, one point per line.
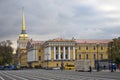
1	67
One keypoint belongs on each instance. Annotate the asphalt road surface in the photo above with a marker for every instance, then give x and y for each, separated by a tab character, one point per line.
39	74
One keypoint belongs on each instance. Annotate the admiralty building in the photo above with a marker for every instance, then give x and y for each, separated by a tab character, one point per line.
52	53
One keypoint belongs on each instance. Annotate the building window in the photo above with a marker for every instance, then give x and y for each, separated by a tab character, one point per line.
94	56
71	48
94	47
66	56
101	56
86	47
79	48
61	55
57	65
39	50
79	56
56	56
56	48
39	57
86	56
66	48
101	47
61	48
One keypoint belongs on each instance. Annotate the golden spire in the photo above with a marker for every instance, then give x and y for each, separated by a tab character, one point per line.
23	22
23	33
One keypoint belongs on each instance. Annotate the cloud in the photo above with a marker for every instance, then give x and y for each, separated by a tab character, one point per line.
46	19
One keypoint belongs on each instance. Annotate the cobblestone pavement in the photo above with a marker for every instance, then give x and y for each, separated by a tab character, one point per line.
39	74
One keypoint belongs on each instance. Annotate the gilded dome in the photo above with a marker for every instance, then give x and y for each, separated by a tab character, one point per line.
23	36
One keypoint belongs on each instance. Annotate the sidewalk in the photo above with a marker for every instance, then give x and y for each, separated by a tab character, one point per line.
107	70
110	70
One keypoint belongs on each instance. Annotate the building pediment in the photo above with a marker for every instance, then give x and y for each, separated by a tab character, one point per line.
60	40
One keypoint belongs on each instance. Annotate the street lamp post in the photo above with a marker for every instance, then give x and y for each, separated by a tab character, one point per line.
75	53
20	56
47	60
19	59
62	64
111	45
97	59
111	60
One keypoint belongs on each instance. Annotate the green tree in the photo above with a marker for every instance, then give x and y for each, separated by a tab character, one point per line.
6	52
114	50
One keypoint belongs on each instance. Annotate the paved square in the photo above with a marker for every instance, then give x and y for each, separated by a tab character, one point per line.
39	74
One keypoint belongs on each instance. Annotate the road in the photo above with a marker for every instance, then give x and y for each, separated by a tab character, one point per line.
39	74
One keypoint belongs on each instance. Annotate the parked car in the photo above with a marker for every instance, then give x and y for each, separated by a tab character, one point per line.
48	68
69	67
10	67
56	68
1	67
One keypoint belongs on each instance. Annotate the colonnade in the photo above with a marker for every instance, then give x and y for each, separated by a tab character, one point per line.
67	50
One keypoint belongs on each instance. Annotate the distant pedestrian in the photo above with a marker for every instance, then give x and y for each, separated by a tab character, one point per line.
104	67
112	67
90	69
62	66
115	68
119	66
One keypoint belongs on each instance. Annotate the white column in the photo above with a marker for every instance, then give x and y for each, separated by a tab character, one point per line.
73	53
59	53
54	53
36	56
45	52
64	52
69	53
49	53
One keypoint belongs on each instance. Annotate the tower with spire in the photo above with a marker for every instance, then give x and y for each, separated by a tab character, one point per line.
23	37
22	43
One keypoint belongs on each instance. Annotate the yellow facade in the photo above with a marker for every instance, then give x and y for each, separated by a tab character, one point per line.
59	47
40	58
23	59
93	51
53	53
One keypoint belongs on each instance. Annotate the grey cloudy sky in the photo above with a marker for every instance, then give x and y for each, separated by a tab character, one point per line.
48	19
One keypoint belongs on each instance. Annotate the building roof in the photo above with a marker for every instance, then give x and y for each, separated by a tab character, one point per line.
70	40
37	42
91	41
61	40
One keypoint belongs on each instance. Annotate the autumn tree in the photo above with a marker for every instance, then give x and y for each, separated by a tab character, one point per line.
6	52
114	50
